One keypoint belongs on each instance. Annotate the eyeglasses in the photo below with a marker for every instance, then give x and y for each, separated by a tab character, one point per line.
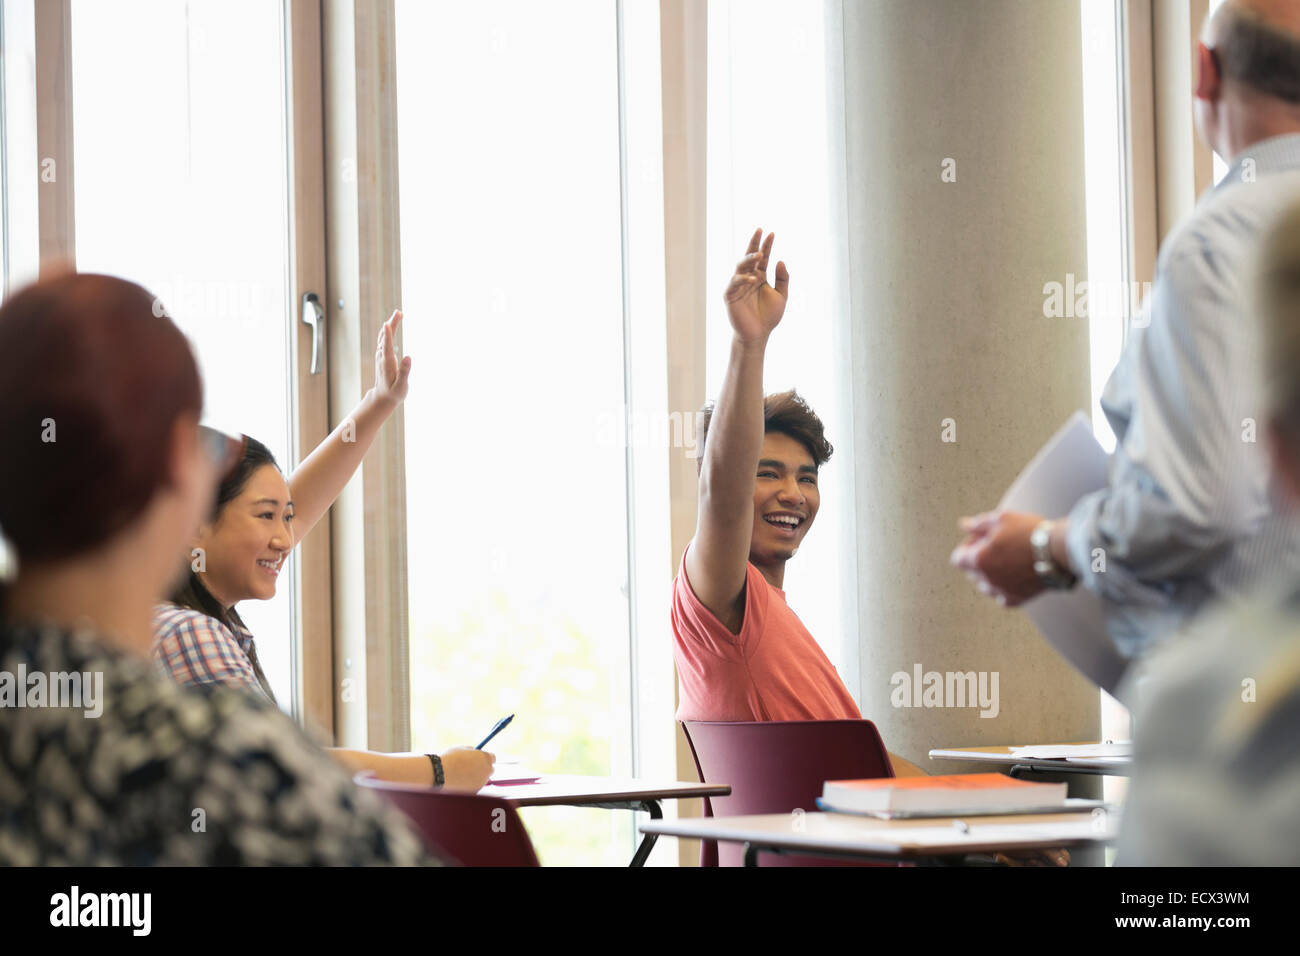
224	450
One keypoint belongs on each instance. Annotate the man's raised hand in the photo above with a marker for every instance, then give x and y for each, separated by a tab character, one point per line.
754	307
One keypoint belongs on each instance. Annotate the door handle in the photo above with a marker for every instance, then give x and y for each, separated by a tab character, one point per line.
313	315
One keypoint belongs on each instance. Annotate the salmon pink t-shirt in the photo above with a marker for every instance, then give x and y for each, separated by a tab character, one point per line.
771	670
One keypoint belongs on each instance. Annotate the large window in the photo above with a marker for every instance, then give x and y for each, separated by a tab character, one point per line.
1110	265
1220	165
179	131
770	164
1105	172
512	289
19	166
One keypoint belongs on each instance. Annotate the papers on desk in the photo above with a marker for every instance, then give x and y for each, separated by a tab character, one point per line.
511	772
1002	834
1068	467
1121	750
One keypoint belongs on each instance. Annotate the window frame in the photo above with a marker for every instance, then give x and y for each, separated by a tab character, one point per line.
313	697
314	693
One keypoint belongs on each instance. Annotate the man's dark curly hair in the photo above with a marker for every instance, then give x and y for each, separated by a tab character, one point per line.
786	413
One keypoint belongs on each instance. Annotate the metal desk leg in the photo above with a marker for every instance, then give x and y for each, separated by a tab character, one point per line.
1021	771
648	840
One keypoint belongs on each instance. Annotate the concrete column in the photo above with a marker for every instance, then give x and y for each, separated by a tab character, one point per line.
947	324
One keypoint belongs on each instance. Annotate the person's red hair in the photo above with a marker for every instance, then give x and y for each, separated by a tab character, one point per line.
85	361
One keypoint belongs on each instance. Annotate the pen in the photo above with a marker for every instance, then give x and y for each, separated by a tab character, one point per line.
500	726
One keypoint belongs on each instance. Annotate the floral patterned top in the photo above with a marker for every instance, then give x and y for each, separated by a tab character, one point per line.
105	762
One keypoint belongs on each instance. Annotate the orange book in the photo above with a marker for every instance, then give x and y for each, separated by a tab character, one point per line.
940	796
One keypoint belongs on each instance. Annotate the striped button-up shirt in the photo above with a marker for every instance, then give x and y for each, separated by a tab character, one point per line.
1191	513
194	648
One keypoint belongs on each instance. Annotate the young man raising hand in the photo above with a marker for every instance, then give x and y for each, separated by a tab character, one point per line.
741	652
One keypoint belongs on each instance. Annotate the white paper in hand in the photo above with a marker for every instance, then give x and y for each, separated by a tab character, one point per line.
1068	467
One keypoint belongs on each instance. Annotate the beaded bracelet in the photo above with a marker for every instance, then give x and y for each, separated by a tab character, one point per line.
438	778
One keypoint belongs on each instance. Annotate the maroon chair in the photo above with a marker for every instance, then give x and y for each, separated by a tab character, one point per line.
777	766
463	827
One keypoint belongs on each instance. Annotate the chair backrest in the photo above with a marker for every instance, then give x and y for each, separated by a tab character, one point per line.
467	828
778	766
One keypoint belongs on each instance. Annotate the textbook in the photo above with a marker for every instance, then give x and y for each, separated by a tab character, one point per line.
1109	750
941	796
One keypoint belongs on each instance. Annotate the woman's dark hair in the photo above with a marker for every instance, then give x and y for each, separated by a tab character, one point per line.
190	592
93	378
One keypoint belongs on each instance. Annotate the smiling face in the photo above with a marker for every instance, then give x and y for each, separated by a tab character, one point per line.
786	499
245	548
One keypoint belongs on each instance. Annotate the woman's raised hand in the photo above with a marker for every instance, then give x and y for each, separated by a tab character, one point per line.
391	375
753	306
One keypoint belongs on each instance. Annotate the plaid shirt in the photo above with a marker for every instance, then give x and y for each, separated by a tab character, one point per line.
193	648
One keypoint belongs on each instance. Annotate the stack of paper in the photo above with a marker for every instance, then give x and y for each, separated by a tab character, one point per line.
1121	749
1068	467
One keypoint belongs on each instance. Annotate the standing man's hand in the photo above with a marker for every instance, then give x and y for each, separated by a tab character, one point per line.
754	307
997	556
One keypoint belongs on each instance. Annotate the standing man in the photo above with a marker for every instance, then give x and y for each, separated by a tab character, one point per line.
1190	513
1216	769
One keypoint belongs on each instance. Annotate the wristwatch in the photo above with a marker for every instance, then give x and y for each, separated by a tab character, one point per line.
1051	574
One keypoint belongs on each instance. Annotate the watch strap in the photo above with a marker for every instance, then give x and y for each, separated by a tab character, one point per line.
1049	572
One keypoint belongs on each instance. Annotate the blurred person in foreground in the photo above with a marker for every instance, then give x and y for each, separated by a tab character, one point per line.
106	474
1217	750
1189	515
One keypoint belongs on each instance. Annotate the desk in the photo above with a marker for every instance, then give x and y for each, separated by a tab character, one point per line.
866	838
1028	766
608	793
